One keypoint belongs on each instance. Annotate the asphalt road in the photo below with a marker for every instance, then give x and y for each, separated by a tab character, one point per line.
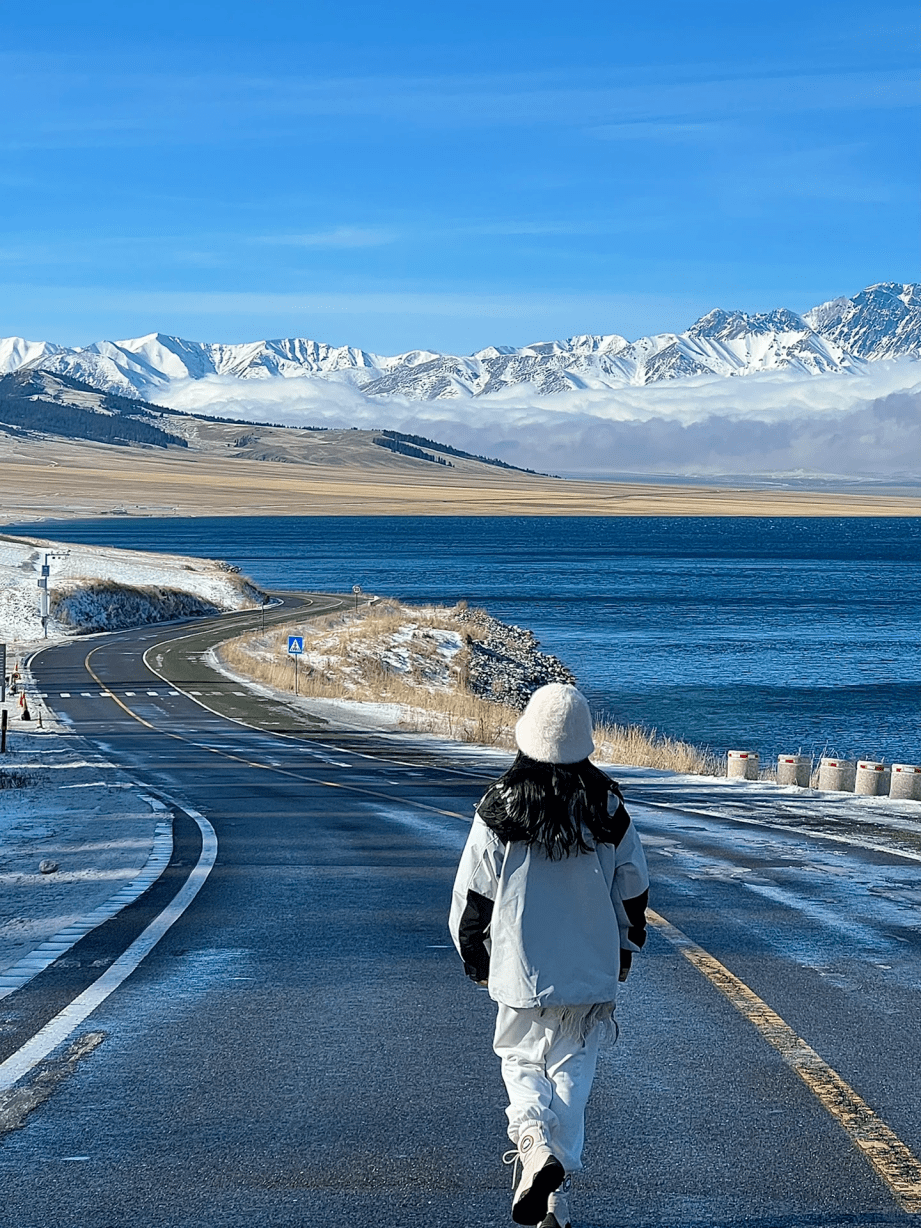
301	1047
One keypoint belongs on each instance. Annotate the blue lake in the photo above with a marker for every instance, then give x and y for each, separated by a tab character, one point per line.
773	634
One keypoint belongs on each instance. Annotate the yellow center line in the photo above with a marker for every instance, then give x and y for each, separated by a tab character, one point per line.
253	763
888	1155
886	1152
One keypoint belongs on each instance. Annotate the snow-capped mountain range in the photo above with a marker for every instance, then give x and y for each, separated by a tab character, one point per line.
841	336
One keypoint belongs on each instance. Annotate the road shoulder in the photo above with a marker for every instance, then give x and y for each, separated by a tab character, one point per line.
78	812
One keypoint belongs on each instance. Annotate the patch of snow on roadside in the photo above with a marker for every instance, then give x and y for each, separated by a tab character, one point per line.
73	567
100	837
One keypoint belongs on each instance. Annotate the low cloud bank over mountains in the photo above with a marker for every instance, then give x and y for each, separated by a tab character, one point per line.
834	392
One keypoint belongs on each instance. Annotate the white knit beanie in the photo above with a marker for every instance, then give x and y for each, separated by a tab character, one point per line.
556	726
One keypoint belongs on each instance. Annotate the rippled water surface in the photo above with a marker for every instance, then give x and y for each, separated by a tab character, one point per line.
770	634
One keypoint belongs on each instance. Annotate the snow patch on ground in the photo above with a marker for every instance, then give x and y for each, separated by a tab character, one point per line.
345	713
79	812
98	580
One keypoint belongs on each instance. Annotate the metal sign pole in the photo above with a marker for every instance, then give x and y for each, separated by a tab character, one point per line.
295	648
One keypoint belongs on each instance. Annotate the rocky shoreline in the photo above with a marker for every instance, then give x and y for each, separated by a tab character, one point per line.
505	663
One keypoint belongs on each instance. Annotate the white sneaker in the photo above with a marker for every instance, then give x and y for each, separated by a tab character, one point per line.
541	1174
558	1207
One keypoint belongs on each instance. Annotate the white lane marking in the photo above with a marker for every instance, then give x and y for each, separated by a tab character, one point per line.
39	959
70	1018
65	695
153	692
132	693
836	838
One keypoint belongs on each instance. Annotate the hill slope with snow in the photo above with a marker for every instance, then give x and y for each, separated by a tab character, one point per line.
101	588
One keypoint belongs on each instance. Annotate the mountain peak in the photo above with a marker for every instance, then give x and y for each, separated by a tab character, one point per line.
880	322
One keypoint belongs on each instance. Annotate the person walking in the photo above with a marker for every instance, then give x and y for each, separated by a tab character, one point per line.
547	911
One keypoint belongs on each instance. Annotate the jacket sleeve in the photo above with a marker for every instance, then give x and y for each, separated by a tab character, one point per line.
630	889
472	899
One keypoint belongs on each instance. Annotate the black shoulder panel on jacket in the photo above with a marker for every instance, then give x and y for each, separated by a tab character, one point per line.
616	826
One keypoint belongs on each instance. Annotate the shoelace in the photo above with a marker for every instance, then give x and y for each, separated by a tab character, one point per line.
512	1157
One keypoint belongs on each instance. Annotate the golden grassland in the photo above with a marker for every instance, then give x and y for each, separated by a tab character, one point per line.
58	480
391	653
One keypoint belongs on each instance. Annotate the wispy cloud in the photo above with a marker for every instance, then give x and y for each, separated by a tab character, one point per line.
117	108
661	130
338	237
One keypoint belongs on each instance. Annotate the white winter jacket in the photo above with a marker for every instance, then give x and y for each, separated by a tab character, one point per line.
549	933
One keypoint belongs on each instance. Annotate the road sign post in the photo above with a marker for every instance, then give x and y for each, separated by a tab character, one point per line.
356	589
44	595
295	648
2	673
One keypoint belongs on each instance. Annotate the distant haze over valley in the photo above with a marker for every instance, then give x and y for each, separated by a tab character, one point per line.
833	393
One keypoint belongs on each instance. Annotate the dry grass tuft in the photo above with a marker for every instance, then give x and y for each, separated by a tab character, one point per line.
630	744
384	653
418	658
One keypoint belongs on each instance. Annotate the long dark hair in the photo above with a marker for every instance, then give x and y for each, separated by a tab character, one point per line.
561	808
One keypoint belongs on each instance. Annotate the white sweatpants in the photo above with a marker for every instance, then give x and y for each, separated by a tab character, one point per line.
548	1076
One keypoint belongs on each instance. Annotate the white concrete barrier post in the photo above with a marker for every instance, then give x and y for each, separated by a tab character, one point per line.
794	770
906	782
836	775
742	765
872	779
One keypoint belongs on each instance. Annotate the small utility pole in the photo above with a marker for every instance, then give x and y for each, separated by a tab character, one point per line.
43	588
3	720
43	592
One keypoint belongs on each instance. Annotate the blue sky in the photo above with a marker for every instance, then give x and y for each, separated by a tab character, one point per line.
411	174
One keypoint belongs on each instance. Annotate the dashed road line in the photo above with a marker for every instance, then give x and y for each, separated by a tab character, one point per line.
889	1156
265	767
893	1161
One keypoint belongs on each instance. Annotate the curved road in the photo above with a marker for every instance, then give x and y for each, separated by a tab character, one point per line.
301	1047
